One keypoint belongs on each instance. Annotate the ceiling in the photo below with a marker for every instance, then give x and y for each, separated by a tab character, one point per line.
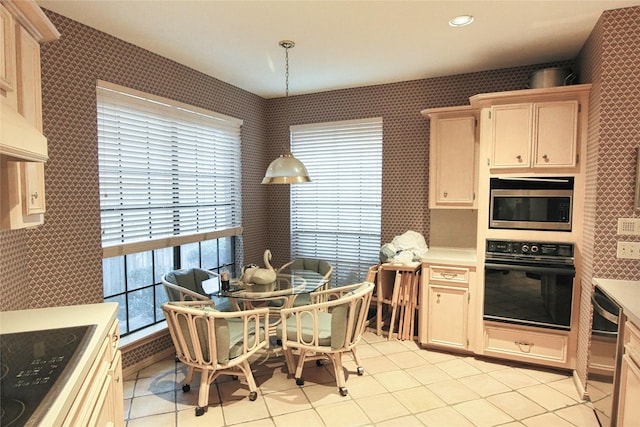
343	44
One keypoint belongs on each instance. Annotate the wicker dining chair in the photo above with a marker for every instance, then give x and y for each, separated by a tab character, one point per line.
329	327
215	343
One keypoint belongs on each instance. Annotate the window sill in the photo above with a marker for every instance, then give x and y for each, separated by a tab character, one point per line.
137	338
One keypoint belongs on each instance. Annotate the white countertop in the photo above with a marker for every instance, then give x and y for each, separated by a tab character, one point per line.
626	293
466	257
101	315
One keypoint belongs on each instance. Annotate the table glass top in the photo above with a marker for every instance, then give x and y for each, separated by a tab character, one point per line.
288	282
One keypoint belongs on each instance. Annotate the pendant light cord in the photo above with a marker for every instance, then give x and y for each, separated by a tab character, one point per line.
286	72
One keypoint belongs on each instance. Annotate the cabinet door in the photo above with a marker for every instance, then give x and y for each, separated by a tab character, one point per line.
453	162
511	135
33	188
29	80
18	183
556	134
628	408
447	316
7	58
109	406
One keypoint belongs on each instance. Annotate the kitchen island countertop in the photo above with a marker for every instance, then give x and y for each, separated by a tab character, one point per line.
102	315
626	293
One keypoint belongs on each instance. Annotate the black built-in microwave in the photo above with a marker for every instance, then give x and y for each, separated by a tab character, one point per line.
531	203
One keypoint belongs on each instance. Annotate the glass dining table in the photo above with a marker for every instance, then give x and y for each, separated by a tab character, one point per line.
277	295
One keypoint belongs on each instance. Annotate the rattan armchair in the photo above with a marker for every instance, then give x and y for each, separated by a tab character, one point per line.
320	266
186	285
215	343
327	328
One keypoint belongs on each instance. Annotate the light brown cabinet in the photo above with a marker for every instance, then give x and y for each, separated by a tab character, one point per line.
534	135
447	321
23	147
453	154
22	191
628	409
7	57
100	400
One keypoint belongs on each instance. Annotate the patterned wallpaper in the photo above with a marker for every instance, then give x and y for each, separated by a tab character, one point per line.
62	258
60	263
609	60
405	142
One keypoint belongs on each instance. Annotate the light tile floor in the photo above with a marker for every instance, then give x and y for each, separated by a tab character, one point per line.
403	385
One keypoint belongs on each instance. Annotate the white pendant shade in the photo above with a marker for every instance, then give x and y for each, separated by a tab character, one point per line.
286	169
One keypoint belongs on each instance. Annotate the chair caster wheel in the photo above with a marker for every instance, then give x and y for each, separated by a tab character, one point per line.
199	411
360	371
299	381
319	362
253	395
343	391
186	388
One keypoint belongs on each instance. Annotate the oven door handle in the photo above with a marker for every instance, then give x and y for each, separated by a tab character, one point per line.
603	311
532	269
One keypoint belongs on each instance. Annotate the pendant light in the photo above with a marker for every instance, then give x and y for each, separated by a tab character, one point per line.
286	169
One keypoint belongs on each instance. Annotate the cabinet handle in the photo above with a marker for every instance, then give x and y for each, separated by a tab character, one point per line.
34	195
117	379
520	344
446	194
438	299
449	276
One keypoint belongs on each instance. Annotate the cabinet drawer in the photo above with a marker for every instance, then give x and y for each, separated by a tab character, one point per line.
525	344
457	275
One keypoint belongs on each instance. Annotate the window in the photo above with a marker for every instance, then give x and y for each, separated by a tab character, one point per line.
169	195
336	217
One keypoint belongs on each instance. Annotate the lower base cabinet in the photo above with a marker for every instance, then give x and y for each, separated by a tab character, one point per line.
447	295
448	310
100	400
628	408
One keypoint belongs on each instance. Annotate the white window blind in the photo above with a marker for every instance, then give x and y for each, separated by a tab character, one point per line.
169	172
336	217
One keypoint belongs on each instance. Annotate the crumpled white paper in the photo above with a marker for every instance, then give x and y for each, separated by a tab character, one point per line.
406	248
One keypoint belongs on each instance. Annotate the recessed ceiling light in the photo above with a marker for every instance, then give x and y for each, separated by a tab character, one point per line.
461	21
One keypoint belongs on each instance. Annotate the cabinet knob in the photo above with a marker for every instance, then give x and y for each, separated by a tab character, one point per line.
545	157
519	157
34	195
438	299
445	194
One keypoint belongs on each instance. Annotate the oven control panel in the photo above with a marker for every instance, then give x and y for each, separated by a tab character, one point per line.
519	248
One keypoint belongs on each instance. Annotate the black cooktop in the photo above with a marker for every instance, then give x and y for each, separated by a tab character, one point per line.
34	367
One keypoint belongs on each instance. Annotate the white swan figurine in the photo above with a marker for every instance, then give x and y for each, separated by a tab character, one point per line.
267	275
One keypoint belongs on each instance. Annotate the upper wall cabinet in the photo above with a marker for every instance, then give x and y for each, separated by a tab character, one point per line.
534	129
23	147
538	135
453	154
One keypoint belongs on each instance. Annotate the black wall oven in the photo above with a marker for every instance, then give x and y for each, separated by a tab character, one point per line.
529	283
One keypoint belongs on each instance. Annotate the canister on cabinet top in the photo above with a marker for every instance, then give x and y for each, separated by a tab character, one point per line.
551	77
